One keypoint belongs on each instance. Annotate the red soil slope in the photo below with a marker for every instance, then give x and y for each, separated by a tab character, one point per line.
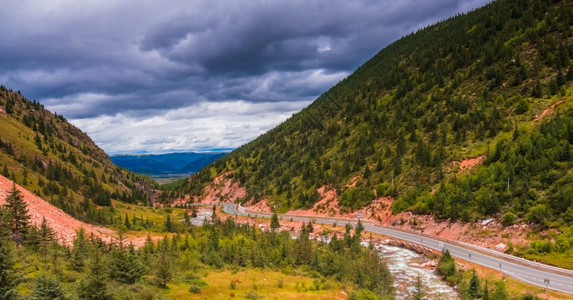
63	225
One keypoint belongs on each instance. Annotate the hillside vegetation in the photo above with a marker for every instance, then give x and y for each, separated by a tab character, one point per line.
474	85
34	266
44	153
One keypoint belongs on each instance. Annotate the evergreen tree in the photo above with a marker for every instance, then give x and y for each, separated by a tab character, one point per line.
124	266
309	227
537	91
7	277
418	293
500	292
163	265
46	236
275	222
18	213
48	288
485	292
357	232
214	215
367	172
169	226
79	251
474	288
94	286
126	222
446	265
186	218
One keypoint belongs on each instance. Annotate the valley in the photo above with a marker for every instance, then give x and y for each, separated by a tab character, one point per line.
165	168
440	168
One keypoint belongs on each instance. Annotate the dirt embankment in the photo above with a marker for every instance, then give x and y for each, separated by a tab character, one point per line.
64	226
487	233
223	189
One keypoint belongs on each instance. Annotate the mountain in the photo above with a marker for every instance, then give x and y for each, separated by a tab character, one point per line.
492	87
166	164
45	154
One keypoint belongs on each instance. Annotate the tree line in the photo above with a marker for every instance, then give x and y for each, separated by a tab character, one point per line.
32	261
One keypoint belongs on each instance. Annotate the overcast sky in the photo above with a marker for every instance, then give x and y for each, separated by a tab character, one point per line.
175	75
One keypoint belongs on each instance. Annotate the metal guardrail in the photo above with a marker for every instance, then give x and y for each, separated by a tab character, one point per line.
517	260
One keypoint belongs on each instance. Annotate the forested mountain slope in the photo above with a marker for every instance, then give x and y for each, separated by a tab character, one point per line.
44	153
474	85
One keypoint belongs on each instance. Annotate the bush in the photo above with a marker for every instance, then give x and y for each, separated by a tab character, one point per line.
537	214
508	219
522	105
446	265
195	289
363	294
252	295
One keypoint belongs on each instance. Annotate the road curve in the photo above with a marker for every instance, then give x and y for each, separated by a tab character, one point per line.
541	275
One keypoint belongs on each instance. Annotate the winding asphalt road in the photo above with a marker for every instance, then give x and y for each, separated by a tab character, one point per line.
538	274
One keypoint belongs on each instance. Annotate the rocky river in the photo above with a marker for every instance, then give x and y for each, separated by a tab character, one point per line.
406	265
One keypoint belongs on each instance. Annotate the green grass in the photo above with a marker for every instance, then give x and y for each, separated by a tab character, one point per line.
515	287
562	260
155	215
257	282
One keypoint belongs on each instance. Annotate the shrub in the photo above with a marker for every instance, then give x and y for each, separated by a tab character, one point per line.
252	295
508	219
195	289
363	294
446	265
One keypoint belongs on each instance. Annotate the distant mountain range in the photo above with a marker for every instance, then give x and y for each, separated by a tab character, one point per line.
160	165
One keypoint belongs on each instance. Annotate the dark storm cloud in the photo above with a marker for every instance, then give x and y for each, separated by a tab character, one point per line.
142	59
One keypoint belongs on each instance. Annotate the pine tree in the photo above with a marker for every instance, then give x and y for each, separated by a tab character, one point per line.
79	251
163	266
485	292
309	227
500	292
94	286
186	218
46	236
18	214
474	288
357	232
169	226
418	293
7	279
214	215
126	222
275	222
366	174
48	288
124	266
